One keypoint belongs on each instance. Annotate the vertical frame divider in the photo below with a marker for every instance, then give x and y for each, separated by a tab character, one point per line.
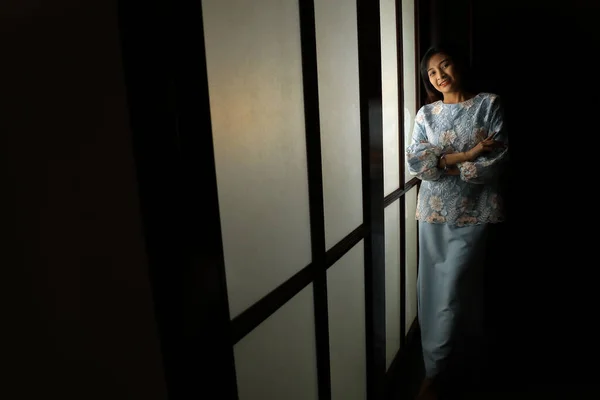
401	174
418	88
315	192
371	123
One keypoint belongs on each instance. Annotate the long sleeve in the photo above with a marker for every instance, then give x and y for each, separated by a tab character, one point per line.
488	166
422	157
458	199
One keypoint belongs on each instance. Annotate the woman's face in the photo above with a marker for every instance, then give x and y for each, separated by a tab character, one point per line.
442	73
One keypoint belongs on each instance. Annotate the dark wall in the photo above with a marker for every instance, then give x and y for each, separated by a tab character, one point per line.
541	285
77	318
540	59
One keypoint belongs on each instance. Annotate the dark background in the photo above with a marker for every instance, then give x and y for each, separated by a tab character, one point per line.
78	319
542	288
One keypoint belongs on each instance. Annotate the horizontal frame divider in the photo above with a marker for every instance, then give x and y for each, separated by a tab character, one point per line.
265	307
396	194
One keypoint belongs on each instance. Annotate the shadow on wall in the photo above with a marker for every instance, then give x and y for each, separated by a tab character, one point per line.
78	321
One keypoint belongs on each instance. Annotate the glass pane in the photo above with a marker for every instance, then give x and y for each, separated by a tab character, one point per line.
410	73
389	71
347	336
393	301
411	257
277	360
257	109
337	51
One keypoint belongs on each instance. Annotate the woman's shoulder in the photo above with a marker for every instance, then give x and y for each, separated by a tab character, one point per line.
430	108
429	112
488	97
489	100
423	109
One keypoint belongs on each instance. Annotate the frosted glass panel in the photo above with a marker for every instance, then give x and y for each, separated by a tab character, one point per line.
255	82
346	298
411	257
410	72
393	301
277	360
337	50
389	71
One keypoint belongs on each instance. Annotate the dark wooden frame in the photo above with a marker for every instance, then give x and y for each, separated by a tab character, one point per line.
167	87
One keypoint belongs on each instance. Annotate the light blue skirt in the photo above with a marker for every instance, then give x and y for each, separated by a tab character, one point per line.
450	291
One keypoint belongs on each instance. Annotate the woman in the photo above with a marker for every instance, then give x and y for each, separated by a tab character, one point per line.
459	147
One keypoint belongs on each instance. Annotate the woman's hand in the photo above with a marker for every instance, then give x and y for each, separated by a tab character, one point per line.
484	146
452	170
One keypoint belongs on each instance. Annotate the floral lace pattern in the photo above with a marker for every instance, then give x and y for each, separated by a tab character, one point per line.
471	198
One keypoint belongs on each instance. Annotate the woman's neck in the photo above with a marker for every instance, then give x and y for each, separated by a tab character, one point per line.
456	97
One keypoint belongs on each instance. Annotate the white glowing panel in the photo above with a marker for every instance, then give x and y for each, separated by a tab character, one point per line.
256	101
411	257
277	360
337	54
389	71
393	301
346	299
411	74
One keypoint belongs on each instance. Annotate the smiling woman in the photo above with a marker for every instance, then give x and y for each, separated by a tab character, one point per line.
459	147
442	75
444	72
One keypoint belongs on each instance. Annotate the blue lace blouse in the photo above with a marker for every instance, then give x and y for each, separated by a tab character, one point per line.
472	197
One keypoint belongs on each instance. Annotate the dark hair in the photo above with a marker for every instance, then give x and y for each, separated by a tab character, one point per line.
461	64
